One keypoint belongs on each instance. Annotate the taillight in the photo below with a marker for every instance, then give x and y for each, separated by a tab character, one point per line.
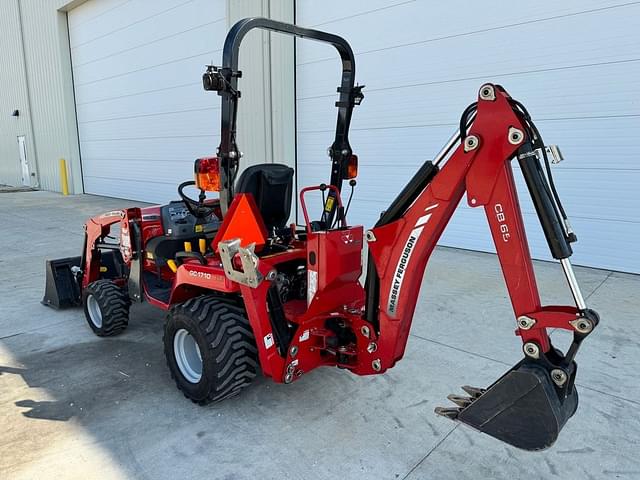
352	167
207	174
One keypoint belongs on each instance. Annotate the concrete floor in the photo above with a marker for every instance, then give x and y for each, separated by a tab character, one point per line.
76	406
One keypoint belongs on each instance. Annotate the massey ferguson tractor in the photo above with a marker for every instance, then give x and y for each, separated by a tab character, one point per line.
246	290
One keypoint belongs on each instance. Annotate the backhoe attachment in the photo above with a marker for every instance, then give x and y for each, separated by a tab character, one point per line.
529	405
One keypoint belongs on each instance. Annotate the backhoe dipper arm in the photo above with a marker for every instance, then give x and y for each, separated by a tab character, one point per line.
349	96
542	385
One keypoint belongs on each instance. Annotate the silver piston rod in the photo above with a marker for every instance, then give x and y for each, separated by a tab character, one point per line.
573	283
453	140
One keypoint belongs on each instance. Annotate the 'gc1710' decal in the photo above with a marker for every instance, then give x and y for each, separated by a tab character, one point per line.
403	261
195	273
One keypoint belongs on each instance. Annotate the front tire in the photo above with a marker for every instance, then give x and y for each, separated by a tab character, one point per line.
210	348
106	308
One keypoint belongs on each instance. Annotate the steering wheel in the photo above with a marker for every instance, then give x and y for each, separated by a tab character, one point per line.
198	208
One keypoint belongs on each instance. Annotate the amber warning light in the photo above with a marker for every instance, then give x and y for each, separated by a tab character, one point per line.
352	167
207	173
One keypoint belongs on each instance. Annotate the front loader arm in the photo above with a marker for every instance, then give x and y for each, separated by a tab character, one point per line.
542	385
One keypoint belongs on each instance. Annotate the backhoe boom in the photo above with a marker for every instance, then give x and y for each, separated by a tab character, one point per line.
404	238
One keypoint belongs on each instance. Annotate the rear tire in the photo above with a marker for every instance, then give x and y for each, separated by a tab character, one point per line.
210	348
106	308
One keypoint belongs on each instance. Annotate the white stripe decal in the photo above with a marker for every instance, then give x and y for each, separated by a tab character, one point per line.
423	219
431	207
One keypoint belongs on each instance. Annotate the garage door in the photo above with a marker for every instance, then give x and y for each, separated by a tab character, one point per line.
574	64
143	116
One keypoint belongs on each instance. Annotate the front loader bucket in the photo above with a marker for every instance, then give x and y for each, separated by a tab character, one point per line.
61	288
523	408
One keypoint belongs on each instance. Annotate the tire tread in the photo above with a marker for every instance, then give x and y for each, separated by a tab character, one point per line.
114	305
230	340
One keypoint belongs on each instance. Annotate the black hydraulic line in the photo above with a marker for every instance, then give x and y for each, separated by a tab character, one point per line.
409	193
549	174
349	95
543	202
534	133
278	321
464	119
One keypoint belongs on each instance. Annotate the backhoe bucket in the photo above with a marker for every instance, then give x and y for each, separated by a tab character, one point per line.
62	289
523	408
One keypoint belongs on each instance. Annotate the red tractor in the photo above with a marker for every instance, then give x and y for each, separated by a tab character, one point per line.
244	289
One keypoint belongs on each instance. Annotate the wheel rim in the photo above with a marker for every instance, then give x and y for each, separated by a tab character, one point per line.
187	355
95	315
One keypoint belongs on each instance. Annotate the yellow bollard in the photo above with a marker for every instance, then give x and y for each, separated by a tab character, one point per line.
64	181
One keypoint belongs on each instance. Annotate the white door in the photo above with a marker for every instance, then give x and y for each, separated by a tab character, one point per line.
573	64
22	151
143	116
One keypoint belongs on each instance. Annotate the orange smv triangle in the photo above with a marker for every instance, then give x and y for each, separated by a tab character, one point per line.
243	221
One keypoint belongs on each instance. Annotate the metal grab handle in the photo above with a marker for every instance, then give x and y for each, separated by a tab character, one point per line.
333	188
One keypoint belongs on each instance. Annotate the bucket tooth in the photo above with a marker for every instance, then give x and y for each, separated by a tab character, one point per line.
460	400
475	392
448	412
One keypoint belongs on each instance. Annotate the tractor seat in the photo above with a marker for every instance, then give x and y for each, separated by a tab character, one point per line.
271	186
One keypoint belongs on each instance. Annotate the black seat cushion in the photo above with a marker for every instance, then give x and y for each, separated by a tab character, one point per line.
271	185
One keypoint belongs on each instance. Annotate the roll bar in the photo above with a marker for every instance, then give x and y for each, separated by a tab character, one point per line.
350	95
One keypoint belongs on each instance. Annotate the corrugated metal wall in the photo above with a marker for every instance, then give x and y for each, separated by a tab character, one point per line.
36	79
13	94
46	45
574	64
143	116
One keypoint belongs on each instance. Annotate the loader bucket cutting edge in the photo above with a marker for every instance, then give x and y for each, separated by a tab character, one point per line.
61	288
522	408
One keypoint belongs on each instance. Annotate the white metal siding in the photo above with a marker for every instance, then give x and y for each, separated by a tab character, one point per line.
574	64
13	95
143	116
36	79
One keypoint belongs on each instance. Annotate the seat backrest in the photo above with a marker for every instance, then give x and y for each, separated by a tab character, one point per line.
271	185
